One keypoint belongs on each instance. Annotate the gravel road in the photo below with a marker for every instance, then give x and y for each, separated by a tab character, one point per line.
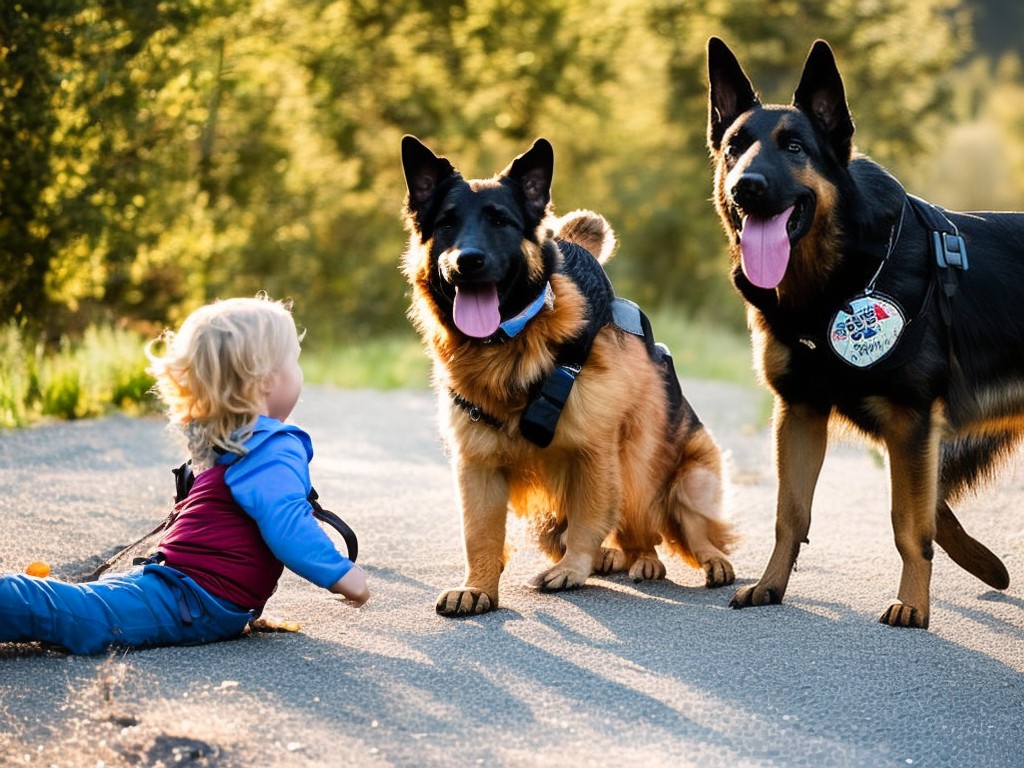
654	674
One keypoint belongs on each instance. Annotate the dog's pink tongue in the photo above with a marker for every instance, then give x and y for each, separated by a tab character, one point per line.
764	246
476	310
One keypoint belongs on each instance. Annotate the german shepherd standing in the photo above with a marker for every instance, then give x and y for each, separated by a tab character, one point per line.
871	308
548	407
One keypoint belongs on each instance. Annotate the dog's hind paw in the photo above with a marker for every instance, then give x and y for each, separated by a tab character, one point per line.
718	572
558	579
610	560
464	601
903	615
746	597
647	568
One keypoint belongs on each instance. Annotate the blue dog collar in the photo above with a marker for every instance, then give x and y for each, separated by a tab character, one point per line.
514	325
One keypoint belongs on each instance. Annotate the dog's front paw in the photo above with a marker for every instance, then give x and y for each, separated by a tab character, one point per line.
464	601
558	578
647	568
718	572
757	594
903	615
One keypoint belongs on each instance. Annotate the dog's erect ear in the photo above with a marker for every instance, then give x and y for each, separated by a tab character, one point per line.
423	171
731	93
533	170
821	96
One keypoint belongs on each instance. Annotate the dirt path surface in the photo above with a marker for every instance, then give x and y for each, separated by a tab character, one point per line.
653	674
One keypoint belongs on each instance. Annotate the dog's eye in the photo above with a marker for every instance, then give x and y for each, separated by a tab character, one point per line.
794	146
499	219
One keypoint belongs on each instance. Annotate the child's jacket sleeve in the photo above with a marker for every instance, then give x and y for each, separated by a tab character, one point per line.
271	483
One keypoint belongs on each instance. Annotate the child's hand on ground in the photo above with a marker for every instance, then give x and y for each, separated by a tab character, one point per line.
352	586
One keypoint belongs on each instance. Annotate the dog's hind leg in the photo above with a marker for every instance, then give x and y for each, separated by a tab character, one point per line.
693	527
964	462
801	437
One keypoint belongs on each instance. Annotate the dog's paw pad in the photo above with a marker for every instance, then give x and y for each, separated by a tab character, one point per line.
464	601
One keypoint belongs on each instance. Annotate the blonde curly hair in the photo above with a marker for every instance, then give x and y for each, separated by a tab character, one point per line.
213	374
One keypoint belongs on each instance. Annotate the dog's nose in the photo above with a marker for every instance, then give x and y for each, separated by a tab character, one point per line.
750	187
469	261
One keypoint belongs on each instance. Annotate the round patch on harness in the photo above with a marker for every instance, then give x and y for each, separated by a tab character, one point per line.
866	330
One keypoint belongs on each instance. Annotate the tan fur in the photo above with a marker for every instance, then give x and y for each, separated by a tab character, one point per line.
613	484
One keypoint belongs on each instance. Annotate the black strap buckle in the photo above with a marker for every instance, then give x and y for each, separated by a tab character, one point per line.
950	250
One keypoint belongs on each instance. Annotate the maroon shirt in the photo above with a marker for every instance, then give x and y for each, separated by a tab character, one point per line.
215	542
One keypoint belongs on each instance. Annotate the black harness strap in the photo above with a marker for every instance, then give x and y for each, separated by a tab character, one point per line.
540	418
630	318
184	478
949	249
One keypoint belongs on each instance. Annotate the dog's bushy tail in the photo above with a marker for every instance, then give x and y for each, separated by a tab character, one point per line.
589	230
967	552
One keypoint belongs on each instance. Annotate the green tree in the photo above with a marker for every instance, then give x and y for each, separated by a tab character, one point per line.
155	154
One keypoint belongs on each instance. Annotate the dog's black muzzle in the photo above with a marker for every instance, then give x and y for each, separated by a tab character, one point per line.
749	191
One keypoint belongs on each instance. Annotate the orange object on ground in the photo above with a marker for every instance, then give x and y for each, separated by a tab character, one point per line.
38	568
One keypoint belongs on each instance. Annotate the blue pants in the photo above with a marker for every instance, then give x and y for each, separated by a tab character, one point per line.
148	605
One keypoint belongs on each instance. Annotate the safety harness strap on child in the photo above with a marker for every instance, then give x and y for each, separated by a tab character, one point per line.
184	478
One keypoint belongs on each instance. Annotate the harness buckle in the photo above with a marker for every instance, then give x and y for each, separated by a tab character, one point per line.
538	422
950	250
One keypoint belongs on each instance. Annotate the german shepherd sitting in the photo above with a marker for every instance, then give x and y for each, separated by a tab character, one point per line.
867	307
549	407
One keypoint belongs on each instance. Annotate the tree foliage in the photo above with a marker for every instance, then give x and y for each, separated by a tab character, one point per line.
156	154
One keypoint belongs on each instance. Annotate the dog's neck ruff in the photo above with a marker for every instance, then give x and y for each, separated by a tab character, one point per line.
514	325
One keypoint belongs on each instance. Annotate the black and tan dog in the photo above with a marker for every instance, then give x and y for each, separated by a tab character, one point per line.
870	308
555	402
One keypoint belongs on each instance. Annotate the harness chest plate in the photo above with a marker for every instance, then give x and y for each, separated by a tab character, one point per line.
867	329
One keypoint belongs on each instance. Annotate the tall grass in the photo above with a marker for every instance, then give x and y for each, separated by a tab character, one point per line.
397	361
101	372
700	349
105	369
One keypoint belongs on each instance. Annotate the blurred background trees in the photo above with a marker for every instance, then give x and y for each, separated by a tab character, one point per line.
157	154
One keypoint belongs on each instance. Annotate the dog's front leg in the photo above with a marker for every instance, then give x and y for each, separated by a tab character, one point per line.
913	443
483	495
801	437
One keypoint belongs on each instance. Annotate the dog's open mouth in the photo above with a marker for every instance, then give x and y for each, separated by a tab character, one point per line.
765	244
476	310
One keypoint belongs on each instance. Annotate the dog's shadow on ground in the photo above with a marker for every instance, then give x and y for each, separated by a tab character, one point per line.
802	679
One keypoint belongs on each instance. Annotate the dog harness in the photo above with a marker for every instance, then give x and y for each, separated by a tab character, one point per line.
540	417
869	327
